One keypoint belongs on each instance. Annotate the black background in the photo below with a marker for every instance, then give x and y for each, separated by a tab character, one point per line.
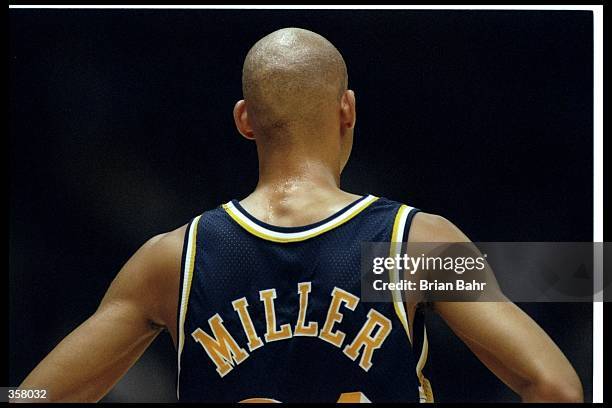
120	128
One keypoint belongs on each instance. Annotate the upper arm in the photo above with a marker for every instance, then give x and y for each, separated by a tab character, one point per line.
500	334
514	347
139	302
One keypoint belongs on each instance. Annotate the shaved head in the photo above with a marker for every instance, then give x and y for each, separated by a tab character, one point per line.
292	80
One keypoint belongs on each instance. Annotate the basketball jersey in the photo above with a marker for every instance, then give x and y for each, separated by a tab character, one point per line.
271	313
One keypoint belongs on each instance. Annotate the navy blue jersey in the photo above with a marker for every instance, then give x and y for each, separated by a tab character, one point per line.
272	313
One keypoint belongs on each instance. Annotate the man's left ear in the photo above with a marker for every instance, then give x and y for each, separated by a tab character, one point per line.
241	119
348	114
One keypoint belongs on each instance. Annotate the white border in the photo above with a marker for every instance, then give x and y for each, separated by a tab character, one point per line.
597	113
598	194
319	7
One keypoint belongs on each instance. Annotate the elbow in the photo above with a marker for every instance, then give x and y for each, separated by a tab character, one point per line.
555	389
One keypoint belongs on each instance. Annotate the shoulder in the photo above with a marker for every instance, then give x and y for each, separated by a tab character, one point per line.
434	228
154	257
159	258
167	243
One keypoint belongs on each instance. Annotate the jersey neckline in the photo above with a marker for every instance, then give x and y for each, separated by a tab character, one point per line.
292	234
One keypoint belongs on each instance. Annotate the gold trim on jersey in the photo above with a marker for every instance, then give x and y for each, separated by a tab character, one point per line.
283	237
425	391
186	290
396	246
399	226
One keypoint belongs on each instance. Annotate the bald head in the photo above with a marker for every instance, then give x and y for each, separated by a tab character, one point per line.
291	81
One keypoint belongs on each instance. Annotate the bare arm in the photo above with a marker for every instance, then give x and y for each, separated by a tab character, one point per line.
502	336
139	303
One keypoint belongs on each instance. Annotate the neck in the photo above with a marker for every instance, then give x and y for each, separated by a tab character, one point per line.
286	175
296	189
298	170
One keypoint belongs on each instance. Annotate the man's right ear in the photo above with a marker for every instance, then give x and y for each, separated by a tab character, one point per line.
347	109
241	118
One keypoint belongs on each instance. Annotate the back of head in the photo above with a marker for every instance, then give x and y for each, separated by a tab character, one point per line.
292	79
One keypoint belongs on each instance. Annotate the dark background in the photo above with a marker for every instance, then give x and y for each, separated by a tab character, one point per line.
120	128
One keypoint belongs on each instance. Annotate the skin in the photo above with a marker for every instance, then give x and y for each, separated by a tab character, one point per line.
299	183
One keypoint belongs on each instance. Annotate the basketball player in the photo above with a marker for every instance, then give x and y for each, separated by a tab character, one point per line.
262	296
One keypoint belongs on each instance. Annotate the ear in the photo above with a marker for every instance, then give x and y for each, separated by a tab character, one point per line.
348	115
241	118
